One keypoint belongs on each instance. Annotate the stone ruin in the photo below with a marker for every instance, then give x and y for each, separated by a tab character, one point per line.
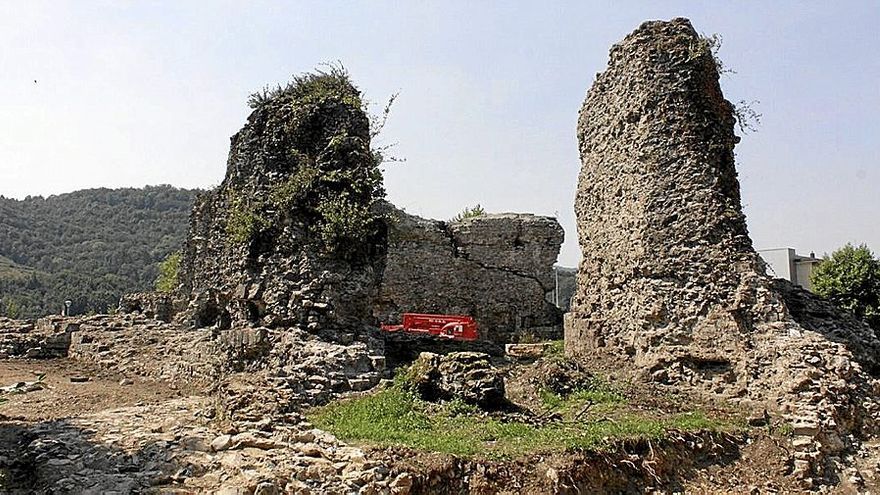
293	259
157	305
289	238
258	251
497	268
670	288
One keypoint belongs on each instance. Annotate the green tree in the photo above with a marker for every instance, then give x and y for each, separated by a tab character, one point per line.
850	278
13	310
168	270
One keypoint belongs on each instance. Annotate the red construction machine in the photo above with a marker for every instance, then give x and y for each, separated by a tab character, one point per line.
454	327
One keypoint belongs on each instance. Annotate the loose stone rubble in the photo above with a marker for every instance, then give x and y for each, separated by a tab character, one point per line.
670	287
466	376
176	447
497	268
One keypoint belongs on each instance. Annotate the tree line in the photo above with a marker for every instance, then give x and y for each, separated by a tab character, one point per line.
89	246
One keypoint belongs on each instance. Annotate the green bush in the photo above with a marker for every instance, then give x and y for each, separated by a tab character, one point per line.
245	219
335	181
168	273
330	83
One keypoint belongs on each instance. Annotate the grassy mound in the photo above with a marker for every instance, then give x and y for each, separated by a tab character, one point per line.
584	420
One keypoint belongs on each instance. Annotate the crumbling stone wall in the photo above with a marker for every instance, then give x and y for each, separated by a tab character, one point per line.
289	237
46	338
156	305
497	268
670	288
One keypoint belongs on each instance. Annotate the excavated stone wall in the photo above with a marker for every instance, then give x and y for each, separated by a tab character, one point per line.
497	268
42	339
670	288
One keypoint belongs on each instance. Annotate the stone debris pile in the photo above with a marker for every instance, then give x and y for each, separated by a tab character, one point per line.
175	447
465	376
670	288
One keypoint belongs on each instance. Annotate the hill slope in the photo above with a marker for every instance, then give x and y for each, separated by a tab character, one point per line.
88	246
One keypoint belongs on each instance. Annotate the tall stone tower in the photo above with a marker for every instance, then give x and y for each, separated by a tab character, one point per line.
670	290
290	238
660	225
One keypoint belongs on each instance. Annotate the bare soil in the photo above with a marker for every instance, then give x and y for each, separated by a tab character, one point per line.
63	398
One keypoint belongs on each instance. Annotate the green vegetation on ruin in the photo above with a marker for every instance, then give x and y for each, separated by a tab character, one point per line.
334	186
169	270
329	83
469	212
596	394
396	416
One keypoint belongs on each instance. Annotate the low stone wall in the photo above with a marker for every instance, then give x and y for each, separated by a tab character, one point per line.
496	268
287	367
157	305
44	339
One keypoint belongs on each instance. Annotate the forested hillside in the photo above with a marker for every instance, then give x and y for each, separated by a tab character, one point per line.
88	246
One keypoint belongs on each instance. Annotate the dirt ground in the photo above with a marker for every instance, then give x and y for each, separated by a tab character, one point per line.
61	397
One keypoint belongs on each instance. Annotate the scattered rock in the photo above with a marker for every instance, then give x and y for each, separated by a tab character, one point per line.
222	442
525	351
402	484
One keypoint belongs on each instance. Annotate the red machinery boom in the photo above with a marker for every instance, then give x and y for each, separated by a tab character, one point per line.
446	326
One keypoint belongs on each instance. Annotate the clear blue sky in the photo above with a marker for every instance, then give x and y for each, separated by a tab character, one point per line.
135	93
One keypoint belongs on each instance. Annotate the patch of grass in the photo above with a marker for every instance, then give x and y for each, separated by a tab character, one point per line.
597	396
550	399
556	349
598	392
458	407
395	416
785	430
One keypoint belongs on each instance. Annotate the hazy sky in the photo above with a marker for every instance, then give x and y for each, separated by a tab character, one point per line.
136	93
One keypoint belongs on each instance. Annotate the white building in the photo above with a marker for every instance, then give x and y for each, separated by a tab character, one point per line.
785	263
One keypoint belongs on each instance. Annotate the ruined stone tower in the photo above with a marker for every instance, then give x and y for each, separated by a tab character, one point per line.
670	289
289	238
663	235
